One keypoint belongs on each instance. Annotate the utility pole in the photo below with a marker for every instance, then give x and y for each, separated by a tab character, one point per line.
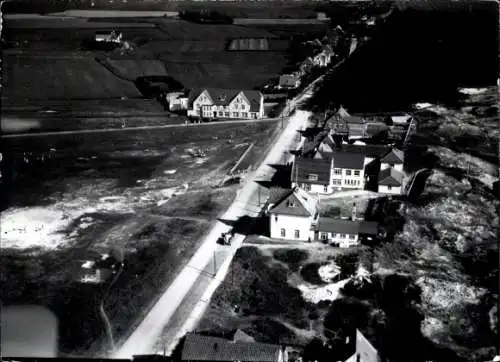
215	265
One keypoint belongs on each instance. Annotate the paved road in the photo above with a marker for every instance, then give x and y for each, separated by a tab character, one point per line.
131	129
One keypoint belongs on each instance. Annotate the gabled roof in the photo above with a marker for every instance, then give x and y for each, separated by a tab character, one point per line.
331	225
390	177
303	167
223	97
394	156
205	348
277	194
354	161
297	203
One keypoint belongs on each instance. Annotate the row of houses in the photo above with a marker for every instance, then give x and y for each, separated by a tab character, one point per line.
325	166
217	103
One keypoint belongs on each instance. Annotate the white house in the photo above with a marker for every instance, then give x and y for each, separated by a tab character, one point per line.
108	36
312	175
292	212
347	171
226	103
365	351
390	181
176	101
342	233
393	159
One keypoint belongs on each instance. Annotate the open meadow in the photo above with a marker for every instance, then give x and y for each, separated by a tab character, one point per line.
66	199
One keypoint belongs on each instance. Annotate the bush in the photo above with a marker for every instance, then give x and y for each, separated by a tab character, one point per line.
309	273
292	257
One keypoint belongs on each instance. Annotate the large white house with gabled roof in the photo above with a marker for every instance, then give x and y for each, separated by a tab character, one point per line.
292	212
225	103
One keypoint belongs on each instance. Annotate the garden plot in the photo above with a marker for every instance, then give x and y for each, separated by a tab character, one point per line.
343	206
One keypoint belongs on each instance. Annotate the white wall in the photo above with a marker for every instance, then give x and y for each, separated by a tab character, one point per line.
397	166
343	242
290	224
315	189
344	177
394	190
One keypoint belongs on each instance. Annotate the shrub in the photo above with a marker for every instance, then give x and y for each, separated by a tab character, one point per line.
292	257
309	273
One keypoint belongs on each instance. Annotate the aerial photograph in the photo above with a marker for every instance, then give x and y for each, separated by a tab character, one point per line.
250	181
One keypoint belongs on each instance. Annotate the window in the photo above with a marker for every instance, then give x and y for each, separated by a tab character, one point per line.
244	115
221	114
337	171
336	182
356	173
324	236
297	234
352	237
235	114
276	218
325	189
348	172
291	204
313	177
342	236
283	233
306	187
389	188
243	107
226	114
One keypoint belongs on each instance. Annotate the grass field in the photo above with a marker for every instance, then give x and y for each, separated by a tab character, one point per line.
131	69
62	78
226	70
140	192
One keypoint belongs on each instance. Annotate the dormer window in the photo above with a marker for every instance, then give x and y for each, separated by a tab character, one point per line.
313	177
291	204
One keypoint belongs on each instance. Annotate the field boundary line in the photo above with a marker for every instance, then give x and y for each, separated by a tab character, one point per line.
242	157
129	129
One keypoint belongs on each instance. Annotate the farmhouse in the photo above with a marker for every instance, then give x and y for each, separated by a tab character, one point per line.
108	36
342	233
289	81
292	212
226	103
198	347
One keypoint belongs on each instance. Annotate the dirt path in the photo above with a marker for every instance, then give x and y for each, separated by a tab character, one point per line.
131	129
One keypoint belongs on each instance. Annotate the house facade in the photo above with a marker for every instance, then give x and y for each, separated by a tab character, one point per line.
312	175
391	176
291	215
343	233
226	104
289	81
176	101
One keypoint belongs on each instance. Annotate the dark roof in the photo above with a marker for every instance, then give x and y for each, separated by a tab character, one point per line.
326	224
276	194
297	203
303	167
368	228
374	128
373	151
310	132
205	348
390	177
331	225
223	97
394	156
354	161
354	119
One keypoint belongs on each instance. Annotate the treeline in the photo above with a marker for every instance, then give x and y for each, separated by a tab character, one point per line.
42	6
205	16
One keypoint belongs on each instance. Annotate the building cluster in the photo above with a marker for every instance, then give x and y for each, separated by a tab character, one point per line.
333	159
216	103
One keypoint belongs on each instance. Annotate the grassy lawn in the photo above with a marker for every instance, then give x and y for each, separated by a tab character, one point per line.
138	192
